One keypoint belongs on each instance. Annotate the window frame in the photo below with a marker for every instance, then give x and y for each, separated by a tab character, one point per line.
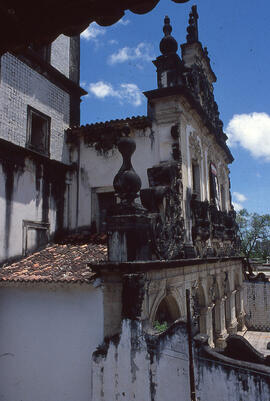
29	144
196	178
95	204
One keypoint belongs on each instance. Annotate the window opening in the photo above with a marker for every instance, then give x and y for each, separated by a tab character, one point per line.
214	191
105	201
167	313
223	198
38	131
196	185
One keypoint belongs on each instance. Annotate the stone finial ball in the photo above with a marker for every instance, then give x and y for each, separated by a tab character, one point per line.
126	146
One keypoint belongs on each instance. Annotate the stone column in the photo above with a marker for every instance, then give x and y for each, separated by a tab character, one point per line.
240	313
220	334
231	321
206	326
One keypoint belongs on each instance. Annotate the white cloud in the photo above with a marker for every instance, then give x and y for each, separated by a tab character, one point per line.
102	89
123	22
113	42
125	92
142	52
93	31
239	197
237	206
132	93
252	132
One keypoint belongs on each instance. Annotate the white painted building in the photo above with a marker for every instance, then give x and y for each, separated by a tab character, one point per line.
55	309
39	100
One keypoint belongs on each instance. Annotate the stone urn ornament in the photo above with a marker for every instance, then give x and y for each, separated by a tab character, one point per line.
127	183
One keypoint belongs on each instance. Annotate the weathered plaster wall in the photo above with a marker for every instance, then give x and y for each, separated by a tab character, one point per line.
145	367
30	192
21	86
135	366
48	334
223	381
257	305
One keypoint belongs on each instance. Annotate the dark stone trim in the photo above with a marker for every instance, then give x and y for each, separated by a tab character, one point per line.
75	110
14	154
74	59
74	76
132	296
182	90
261	365
144	266
34	61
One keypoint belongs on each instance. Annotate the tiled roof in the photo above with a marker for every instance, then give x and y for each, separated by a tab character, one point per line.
61	262
138	122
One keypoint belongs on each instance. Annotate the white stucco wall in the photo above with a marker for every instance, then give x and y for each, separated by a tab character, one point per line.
129	372
99	170
224	382
29	202
60	49
48	334
156	368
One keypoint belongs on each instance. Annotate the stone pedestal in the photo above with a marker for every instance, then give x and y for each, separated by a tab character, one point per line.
129	236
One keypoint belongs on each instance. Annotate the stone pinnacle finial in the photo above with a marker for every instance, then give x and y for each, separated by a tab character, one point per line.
167	28
127	183
168	44
192	29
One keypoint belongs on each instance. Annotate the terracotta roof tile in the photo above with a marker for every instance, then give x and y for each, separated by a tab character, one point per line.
136	122
62	262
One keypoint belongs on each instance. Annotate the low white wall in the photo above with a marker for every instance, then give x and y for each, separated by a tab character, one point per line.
219	381
48	334
156	368
135	367
257	305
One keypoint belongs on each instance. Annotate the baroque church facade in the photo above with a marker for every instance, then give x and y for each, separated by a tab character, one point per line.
170	257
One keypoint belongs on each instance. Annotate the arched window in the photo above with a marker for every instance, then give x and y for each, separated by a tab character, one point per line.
196	184
223	197
167	311
214	190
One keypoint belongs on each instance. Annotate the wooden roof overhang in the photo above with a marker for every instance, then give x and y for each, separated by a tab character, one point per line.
30	21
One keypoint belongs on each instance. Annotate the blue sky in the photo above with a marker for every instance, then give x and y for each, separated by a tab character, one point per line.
116	67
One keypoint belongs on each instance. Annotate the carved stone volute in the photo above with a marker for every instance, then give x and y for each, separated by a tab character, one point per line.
163	198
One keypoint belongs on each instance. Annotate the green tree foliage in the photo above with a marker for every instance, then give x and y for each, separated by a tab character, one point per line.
253	229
